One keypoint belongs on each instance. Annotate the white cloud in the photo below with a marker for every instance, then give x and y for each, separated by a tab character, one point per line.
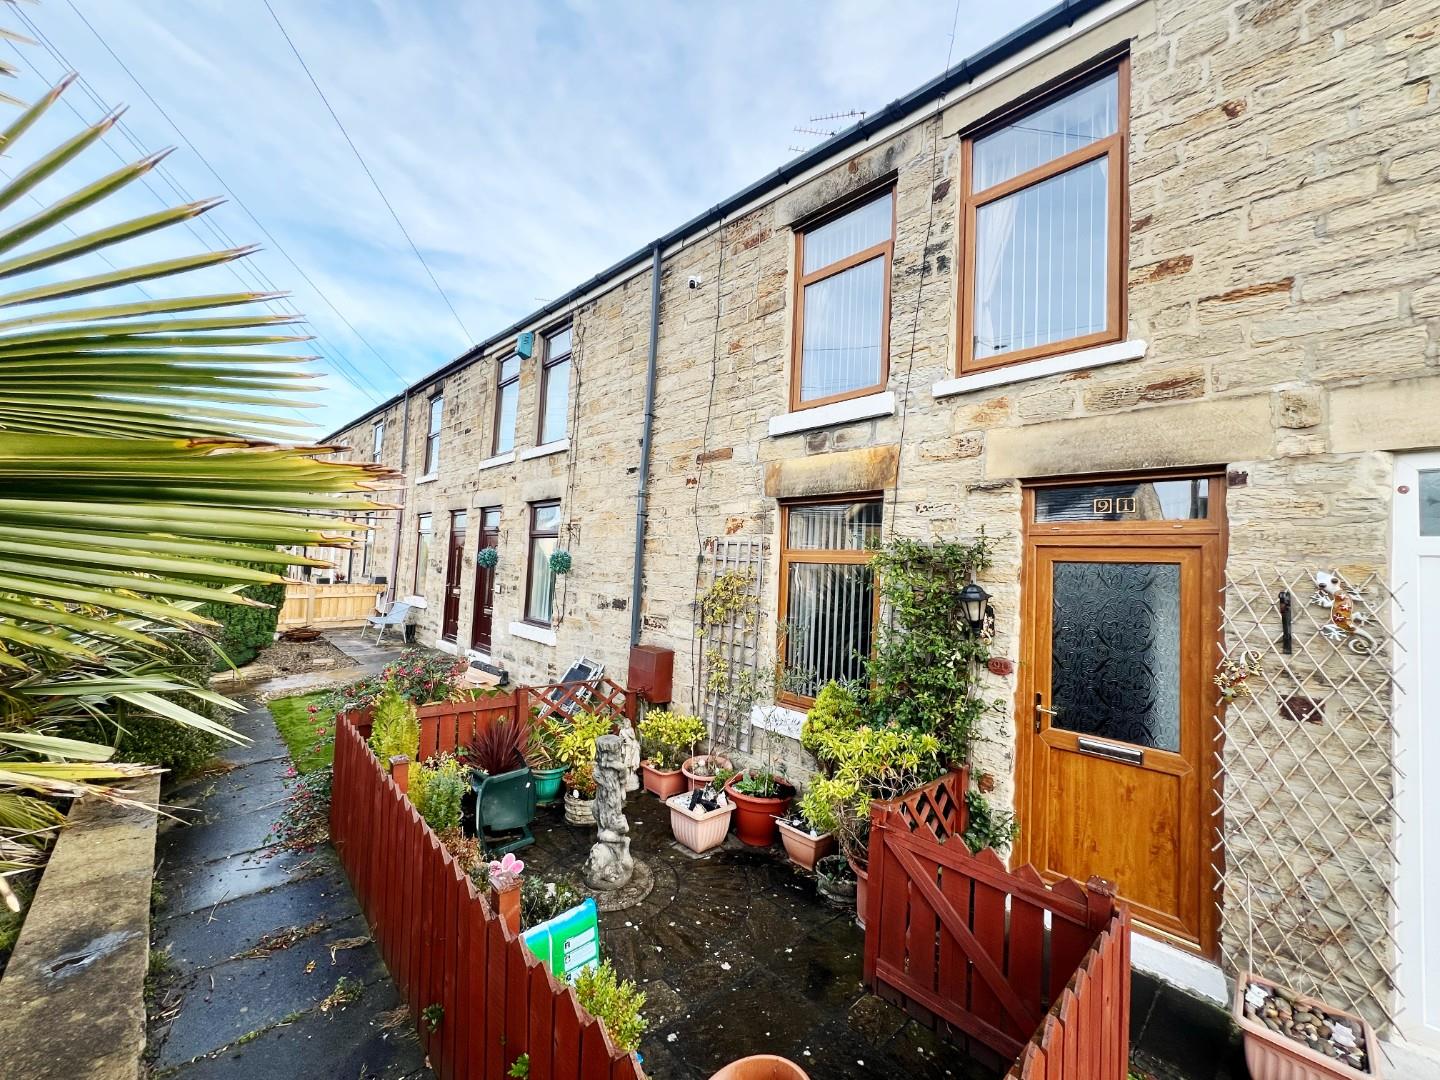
525	146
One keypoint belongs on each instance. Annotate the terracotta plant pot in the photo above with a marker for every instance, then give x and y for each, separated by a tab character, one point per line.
506	904
698	829
1273	1055
662	783
579	811
762	1067
803	848
696	780
755	814
862	885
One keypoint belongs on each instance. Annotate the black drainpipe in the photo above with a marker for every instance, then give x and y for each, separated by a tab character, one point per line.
404	498
644	482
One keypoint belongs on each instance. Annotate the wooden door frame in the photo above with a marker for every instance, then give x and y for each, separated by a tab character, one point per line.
1211	538
454	573
482	574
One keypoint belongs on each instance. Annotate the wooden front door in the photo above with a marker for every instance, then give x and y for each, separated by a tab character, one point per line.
1117	706
454	565
483	618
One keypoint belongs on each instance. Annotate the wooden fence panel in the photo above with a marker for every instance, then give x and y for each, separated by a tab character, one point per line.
442	942
958	938
312	604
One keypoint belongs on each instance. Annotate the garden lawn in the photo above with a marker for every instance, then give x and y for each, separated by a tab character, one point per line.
309	736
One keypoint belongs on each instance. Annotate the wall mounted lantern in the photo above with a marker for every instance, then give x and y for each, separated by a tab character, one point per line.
975	603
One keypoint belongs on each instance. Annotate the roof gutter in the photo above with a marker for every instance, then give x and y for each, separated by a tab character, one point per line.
1037	29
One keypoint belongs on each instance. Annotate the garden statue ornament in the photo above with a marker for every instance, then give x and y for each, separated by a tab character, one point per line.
1346	625
632	757
610	866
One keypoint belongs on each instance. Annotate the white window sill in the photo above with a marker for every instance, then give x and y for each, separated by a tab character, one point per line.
777	718
543	635
559	446
839	412
1081	360
427	478
476	654
496	461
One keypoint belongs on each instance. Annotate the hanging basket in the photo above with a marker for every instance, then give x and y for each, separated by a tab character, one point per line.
560	562
486	558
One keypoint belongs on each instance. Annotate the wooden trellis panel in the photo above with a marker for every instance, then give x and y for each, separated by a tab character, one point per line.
729	652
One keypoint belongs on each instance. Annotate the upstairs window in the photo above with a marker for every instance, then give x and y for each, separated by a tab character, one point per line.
540	579
378	445
507	402
555	387
432	436
842	317
1043	265
828	603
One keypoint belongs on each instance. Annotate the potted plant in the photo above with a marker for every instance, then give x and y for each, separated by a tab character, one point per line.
575	749
580	794
761	1067
504	789
1292	1037
835	879
700	818
702	770
504	878
667	739
760	797
548	771
809	833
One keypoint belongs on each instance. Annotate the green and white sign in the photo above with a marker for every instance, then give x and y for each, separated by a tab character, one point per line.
568	943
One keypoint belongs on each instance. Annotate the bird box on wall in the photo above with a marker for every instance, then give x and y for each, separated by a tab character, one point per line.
525	345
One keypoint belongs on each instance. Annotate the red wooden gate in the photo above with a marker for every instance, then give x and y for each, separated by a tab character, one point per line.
1036	973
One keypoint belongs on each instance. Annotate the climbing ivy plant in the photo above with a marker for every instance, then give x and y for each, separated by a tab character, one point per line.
926	669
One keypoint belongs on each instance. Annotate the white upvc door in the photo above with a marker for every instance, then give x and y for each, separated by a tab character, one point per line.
1417	745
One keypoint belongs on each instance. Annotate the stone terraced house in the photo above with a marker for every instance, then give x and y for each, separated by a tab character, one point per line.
1148	291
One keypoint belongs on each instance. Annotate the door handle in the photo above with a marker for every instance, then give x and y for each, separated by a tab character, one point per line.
1130	755
1039	709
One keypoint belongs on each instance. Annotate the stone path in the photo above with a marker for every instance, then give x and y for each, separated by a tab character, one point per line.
235	1001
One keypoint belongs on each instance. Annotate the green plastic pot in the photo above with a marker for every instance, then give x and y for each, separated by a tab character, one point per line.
548	784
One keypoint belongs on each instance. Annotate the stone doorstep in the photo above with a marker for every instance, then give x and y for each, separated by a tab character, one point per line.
74	988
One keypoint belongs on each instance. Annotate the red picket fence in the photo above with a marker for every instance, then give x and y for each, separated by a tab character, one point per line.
958	940
448	725
441	940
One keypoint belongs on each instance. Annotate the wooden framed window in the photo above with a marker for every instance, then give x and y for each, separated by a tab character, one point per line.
377	446
1042	224
423	529
539	578
432	435
842	303
507	402
829	605
555	387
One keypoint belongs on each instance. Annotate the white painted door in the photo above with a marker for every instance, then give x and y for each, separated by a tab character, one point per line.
1417	744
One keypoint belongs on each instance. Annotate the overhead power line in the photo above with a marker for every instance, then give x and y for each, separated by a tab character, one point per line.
231	192
340	364
469	340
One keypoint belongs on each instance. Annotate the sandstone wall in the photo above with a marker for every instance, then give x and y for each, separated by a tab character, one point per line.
1283	235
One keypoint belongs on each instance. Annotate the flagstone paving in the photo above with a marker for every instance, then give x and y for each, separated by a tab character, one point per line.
256	943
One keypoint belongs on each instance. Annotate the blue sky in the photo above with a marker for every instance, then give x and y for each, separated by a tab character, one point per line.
525	146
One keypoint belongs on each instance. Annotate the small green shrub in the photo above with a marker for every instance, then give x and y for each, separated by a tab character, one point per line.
244	631
615	1002
436	789
835	708
669	737
988	827
395	729
541	901
520	1067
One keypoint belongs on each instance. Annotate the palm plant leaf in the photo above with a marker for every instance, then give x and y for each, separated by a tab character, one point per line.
143	472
